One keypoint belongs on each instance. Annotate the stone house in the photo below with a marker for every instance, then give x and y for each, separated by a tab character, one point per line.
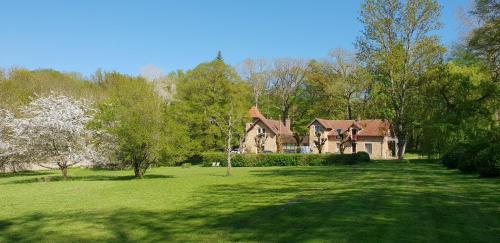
265	135
371	136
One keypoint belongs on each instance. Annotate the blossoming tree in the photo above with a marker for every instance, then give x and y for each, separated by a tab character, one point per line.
53	131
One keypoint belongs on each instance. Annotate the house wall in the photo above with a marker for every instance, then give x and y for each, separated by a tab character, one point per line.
380	148
269	145
312	138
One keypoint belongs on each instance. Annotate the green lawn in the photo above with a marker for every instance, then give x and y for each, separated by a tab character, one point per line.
377	202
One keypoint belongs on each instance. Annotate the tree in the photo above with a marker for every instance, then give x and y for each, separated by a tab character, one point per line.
351	78
141	124
219	56
286	77
396	44
319	142
260	141
53	130
256	73
217	113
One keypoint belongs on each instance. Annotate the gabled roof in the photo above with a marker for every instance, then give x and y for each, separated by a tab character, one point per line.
368	128
277	127
255	113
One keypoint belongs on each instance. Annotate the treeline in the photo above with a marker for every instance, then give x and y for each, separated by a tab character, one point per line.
400	71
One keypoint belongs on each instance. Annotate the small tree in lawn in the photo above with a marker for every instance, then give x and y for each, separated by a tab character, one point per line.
137	119
53	130
260	141
319	142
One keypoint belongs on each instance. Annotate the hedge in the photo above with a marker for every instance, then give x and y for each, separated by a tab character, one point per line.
451	159
488	161
263	160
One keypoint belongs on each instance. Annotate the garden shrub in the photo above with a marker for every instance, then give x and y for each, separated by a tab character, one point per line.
488	161
362	156
467	163
263	160
451	159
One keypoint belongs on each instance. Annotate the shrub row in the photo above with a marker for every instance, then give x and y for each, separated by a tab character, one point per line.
482	158
262	160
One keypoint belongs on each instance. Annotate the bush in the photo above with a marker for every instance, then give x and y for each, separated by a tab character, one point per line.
467	164
263	160
451	159
362	156
488	161
186	165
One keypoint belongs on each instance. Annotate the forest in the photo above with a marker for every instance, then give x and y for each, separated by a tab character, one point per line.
442	102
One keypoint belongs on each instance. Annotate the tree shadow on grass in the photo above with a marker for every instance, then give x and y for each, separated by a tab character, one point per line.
25	173
282	214
292	205
87	178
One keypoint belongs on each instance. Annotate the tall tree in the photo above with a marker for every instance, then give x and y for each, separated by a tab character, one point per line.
351	78
256	72
144	129
287	76
211	100
397	45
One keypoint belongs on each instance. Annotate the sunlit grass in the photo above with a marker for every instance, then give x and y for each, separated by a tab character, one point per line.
377	202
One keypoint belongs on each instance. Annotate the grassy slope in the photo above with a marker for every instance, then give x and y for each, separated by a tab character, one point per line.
382	201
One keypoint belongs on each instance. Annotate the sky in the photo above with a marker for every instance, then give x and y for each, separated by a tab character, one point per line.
126	36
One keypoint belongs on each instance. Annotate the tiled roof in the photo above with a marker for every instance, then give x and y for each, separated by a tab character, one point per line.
277	127
255	113
368	128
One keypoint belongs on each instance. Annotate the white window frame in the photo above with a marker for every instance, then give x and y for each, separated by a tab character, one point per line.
371	148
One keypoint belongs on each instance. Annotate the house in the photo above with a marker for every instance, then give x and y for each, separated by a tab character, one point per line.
371	136
267	135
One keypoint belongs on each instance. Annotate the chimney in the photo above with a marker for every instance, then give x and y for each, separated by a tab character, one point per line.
287	123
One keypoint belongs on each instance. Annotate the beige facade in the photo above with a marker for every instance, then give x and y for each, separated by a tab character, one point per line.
375	142
269	144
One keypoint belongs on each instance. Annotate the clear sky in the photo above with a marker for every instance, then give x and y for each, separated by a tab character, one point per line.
125	36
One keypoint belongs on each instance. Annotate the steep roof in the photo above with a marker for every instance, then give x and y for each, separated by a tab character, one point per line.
368	128
255	113
277	127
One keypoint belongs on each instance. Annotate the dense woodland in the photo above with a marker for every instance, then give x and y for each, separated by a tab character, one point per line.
435	97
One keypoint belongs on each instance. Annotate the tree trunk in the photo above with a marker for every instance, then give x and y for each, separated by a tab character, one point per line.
228	146
401	148
64	170
349	110
137	170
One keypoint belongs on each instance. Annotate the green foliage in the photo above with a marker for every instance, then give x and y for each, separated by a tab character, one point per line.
467	163
207	97
263	160
362	156
19	85
488	161
144	133
452	157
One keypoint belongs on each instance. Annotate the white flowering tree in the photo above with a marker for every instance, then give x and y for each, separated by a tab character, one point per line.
53	132
11	151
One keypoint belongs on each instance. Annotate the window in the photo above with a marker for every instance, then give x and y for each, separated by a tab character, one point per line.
261	130
368	148
339	130
338	148
317	129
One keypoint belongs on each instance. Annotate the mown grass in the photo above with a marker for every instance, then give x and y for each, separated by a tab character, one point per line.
377	202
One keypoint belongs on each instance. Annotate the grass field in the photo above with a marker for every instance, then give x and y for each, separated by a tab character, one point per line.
376	202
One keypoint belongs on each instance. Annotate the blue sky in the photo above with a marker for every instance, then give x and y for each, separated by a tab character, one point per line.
125	36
